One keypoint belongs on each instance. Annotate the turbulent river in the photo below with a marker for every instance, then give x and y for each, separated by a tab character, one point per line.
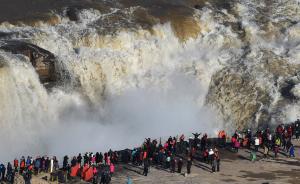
88	75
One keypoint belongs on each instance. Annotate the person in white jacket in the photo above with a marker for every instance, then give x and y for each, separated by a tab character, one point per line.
256	143
210	156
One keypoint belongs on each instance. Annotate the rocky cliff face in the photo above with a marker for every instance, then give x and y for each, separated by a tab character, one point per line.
42	60
238	97
254	92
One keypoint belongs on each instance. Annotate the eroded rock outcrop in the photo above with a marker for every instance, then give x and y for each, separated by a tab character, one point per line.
42	60
254	95
238	97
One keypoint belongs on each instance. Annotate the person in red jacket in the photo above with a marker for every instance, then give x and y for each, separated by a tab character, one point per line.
16	165
290	131
22	165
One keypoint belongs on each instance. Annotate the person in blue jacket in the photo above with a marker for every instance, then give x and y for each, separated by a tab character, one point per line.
129	180
292	151
2	172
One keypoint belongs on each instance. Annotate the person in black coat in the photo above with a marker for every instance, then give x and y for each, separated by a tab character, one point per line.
65	162
27	176
79	158
105	177
10	177
97	158
173	164
146	167
179	165
10	174
100	157
73	162
2	172
189	165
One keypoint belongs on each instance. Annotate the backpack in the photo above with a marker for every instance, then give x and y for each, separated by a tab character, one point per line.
237	144
16	163
277	142
22	165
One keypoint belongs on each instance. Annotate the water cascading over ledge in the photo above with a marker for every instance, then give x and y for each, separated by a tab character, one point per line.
200	65
42	60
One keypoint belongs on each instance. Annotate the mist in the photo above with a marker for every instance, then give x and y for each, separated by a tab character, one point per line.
146	86
121	121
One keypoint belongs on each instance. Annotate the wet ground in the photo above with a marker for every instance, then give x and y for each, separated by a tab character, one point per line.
235	168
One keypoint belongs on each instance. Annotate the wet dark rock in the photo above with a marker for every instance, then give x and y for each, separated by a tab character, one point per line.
239	98
4	34
42	60
197	6
73	13
286	90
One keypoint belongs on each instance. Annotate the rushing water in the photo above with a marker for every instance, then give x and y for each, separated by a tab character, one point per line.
135	69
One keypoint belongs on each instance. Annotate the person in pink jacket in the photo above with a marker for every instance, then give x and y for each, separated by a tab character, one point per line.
93	160
112	169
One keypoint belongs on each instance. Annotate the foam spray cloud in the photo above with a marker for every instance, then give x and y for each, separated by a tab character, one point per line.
131	117
125	81
122	121
137	85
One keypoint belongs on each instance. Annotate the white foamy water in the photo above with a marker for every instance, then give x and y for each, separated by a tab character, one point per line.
134	84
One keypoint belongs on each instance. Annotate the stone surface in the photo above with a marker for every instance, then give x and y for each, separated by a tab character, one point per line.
250	96
237	96
235	168
42	60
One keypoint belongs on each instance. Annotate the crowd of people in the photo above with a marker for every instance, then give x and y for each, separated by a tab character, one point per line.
170	155
276	140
